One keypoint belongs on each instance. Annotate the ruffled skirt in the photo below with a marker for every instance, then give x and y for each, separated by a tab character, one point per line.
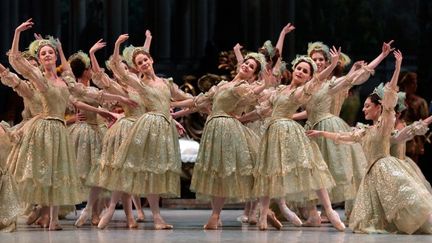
43	164
289	164
390	200
346	162
87	142
225	160
146	162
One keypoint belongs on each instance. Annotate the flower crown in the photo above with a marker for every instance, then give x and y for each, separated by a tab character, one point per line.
258	57
344	59
82	57
303	58
401	101
318	46
36	45
270	48
129	53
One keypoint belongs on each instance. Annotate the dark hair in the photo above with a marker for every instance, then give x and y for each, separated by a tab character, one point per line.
258	67
310	66
319	51
408	78
269	59
78	67
375	99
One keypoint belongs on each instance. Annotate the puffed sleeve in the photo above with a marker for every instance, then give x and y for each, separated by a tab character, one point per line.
354	136
266	101
23	67
407	133
304	93
204	101
12	80
244	91
176	93
387	118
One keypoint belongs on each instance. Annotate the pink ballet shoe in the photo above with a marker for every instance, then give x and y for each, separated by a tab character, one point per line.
213	223
106	218
313	221
271	217
292	217
335	220
84	216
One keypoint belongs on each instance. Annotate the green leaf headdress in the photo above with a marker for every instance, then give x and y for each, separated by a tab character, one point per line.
401	101
379	90
36	45
303	58
318	46
129	53
258	57
82	57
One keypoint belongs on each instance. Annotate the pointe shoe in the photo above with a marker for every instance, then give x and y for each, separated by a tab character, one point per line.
212	224
271	217
313	221
252	220
95	220
132	224
262	225
243	219
34	215
334	218
163	226
43	221
141	217
84	216
106	218
54	226
292	217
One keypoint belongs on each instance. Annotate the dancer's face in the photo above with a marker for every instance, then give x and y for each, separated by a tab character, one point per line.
302	73
371	110
248	68
143	63
319	59
47	56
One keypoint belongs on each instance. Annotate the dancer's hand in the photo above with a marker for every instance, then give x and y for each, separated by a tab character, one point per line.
398	56
148	34
238	47
25	26
97	46
288	28
122	38
387	48
335	54
314	133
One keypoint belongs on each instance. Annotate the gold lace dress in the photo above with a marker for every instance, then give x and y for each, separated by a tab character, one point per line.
289	164
398	150
148	160
227	151
9	198
100	172
43	165
346	162
86	137
389	199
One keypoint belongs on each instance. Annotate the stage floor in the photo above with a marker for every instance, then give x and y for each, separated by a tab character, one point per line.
188	228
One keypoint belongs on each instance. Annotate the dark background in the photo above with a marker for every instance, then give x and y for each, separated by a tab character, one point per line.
189	34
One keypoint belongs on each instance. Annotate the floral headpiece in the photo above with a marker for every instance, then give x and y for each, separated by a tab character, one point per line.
36	45
318	46
401	101
129	53
258	57
344	59
304	58
270	48
82	57
379	90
